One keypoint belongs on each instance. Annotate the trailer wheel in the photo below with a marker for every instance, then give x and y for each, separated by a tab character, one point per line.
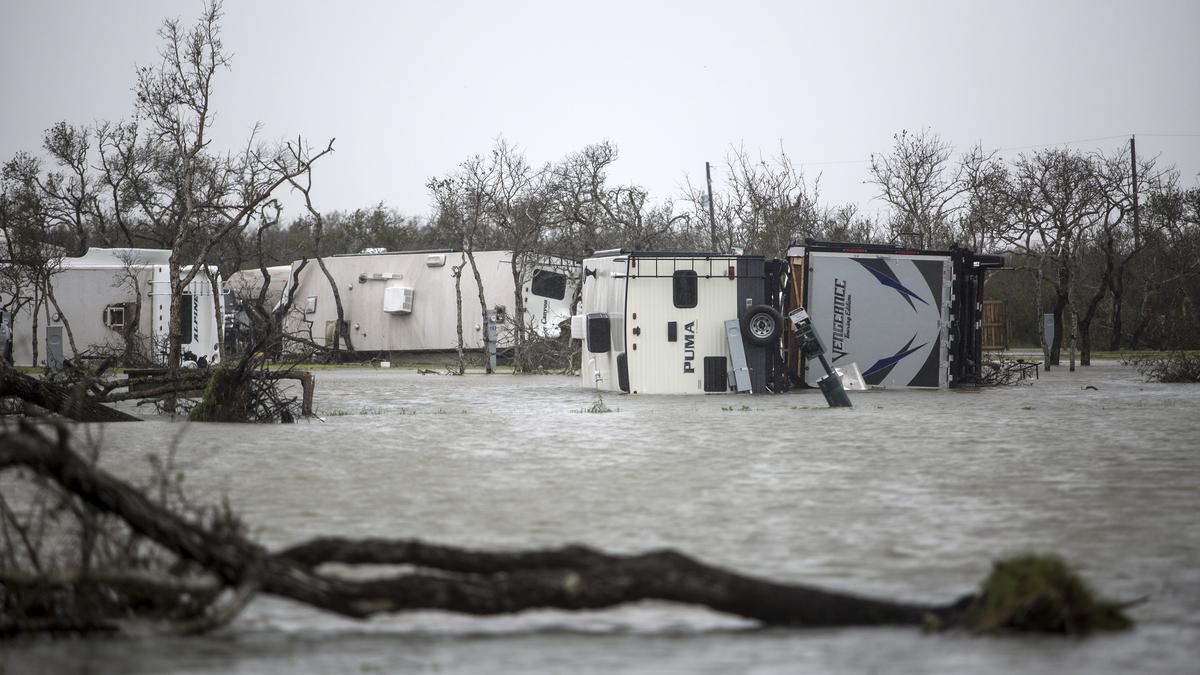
762	324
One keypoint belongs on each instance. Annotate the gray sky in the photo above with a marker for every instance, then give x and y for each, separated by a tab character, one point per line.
411	89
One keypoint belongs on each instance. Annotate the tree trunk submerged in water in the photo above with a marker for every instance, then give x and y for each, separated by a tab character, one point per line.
70	402
457	579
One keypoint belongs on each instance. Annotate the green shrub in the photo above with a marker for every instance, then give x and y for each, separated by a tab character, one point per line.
1037	593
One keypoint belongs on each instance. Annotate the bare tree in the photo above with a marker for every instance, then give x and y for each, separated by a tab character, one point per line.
460	199
925	187
1166	272
1125	239
590	214
192	196
1054	201
30	229
770	203
342	330
517	204
767	203
70	193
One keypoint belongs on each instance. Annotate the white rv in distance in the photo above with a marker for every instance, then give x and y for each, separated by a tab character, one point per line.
905	317
680	323
405	301
98	294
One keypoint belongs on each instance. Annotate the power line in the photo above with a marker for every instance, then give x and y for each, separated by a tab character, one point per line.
1047	145
1022	147
837	161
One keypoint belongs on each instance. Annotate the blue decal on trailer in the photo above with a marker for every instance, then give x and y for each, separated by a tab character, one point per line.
883	273
880	369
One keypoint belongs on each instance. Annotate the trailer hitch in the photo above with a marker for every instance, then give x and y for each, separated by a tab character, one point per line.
810	348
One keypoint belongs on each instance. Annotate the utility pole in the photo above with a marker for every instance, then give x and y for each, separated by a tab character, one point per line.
1133	166
712	217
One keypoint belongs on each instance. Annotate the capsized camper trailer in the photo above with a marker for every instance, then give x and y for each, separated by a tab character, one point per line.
405	301
100	294
903	317
679	323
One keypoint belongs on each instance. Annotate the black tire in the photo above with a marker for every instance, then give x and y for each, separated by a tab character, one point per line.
762	325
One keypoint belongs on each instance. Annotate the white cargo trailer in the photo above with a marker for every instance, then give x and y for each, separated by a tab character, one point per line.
904	317
680	323
97	294
405	301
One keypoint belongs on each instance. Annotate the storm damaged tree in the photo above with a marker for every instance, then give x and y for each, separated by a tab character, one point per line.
1107	246
197	569
927	189
520	212
1054	199
198	198
1167	273
69	193
768	203
764	204
590	213
502	200
341	332
1127	238
36	241
460	200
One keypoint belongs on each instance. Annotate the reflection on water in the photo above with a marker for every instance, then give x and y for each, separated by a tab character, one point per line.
908	494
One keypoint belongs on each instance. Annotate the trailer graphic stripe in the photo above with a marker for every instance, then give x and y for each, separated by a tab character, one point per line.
880	369
883	273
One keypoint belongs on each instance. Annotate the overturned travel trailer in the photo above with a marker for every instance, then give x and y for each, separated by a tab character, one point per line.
677	323
681	323
406	302
903	317
112	298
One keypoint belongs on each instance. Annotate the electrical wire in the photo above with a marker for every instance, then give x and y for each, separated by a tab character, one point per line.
1022	147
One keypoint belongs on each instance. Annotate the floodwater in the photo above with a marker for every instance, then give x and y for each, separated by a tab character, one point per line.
908	495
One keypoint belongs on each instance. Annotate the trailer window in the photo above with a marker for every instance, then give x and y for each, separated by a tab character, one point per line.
114	316
549	284
185	319
684	288
599	333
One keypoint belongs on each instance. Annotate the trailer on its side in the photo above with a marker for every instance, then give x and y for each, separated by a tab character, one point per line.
406	301
905	317
681	323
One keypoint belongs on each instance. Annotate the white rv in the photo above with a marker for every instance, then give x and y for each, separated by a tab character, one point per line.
98	293
680	323
405	301
903	317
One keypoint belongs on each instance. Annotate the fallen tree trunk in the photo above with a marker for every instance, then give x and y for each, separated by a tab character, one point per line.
71	402
475	582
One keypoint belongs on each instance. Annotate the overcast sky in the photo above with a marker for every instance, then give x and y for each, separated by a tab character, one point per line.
410	89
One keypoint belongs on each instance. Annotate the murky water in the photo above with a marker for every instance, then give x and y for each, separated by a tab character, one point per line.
909	494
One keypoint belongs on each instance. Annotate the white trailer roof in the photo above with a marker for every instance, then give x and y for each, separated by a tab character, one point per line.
102	258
